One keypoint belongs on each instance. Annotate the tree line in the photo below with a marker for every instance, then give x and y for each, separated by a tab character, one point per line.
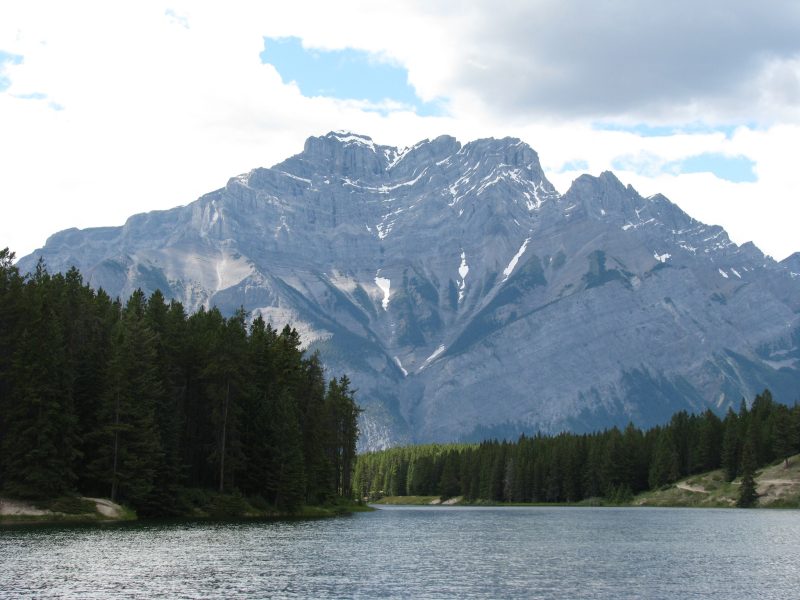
613	464
143	403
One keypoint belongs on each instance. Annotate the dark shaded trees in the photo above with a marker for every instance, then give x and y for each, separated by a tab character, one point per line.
569	467
141	402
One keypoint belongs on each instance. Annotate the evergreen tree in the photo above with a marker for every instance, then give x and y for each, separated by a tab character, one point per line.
782	442
137	402
11	319
225	384
129	450
39	438
449	485
664	467
730	446
167	322
288	479
747	492
342	414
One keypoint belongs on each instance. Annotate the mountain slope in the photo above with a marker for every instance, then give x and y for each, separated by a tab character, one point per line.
463	294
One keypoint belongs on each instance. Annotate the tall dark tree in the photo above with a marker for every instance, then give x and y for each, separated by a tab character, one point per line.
730	446
129	453
39	439
664	467
747	491
11	319
141	402
342	414
226	382
288	480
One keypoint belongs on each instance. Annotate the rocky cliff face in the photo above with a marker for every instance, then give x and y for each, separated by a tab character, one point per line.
465	296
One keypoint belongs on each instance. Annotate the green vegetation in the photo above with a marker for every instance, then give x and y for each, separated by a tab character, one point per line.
406	500
610	467
72	509
776	486
167	413
71	505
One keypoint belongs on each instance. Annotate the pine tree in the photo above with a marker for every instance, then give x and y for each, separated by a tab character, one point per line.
11	319
747	492
288	478
129	450
319	432
39	439
225	387
781	439
730	446
664	468
706	454
449	485
167	324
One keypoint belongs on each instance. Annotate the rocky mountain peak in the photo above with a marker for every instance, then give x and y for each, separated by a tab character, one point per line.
604	194
463	295
793	262
340	154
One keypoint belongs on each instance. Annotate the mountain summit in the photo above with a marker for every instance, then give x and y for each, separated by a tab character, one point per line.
463	294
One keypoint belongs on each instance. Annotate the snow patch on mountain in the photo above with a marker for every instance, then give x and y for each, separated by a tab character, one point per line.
433	356
384	285
347	138
662	258
463	271
513	262
400	366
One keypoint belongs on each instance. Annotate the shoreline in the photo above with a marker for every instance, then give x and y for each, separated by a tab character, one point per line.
14	511
777	486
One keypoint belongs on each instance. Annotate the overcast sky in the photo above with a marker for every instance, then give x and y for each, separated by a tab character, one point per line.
109	109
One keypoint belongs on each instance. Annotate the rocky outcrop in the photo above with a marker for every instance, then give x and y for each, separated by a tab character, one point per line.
466	297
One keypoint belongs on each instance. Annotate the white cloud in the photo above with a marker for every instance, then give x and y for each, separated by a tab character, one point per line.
163	101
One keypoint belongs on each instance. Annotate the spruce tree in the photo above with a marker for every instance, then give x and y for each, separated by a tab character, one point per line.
39	443
747	492
664	467
129	449
287	482
730	446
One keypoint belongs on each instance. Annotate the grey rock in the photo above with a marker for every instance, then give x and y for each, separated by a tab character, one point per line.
463	294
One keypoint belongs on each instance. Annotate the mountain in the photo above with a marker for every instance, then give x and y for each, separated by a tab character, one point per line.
463	294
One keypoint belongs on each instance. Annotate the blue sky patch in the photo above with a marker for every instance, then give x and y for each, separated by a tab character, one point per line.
644	130
32	96
6	58
738	169
343	74
574	165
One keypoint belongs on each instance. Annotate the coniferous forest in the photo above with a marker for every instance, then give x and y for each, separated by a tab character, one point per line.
569	467
153	408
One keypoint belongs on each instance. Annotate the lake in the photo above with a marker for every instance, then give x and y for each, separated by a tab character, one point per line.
418	552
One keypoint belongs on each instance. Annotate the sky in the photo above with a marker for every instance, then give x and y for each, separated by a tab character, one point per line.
109	109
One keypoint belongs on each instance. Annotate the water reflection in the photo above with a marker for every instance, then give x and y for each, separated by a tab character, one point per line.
419	552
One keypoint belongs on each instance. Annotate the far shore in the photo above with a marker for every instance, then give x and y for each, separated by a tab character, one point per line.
778	486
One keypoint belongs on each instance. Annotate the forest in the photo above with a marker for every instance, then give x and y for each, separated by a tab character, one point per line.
612	464
159	410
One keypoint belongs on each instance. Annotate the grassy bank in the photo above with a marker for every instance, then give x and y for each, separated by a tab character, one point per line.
199	505
65	509
776	485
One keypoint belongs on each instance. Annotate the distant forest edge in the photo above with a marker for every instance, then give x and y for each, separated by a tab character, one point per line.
569	468
165	412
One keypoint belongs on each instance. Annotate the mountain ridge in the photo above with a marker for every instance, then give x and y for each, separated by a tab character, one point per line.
428	273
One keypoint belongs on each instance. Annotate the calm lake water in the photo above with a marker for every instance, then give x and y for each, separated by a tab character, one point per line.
419	552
